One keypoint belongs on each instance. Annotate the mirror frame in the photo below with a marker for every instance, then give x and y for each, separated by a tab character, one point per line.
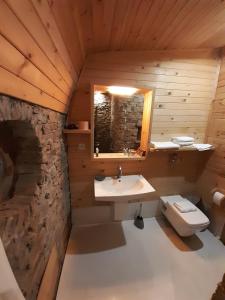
149	97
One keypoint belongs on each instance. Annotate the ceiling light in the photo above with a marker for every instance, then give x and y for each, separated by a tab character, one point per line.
122	90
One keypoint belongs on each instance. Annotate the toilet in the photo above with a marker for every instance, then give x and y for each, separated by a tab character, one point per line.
184	216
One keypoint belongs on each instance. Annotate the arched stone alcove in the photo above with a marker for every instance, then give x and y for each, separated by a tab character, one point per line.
20	159
34	193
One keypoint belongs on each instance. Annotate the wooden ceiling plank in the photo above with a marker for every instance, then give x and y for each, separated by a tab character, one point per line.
102	18
142	12
166	22
27	15
150	24
149	28
13	30
85	19
97	24
67	26
108	16
200	26
131	16
45	13
211	28
131	9
118	23
179	22
13	61
11	84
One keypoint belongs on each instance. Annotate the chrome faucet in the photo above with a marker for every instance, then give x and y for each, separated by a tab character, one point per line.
120	172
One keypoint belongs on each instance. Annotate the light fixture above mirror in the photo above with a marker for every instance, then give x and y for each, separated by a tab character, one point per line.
122	90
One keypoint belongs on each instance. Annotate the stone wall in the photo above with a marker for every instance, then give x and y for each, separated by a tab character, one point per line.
126	120
102	121
118	122
35	213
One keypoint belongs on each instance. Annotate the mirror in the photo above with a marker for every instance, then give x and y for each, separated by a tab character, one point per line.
121	118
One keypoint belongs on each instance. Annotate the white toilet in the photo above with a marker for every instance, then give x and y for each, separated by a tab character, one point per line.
183	215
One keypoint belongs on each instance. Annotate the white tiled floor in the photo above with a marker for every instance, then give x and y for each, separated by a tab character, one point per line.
120	262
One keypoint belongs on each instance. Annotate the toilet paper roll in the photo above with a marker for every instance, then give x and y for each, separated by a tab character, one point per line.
219	199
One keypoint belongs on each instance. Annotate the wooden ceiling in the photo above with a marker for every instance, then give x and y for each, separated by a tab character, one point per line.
150	24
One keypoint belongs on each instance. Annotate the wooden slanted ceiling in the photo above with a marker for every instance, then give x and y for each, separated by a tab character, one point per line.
44	43
37	61
151	24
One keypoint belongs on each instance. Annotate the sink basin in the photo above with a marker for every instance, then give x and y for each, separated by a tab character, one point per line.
126	188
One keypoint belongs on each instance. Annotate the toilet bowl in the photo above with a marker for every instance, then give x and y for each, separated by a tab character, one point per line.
185	223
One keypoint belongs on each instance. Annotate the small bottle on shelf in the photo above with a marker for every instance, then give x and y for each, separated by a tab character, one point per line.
96	151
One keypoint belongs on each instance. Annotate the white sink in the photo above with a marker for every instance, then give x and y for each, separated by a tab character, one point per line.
122	189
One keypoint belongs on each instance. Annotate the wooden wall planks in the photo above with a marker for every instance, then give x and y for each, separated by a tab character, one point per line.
167	178
185	86
214	173
34	54
180	108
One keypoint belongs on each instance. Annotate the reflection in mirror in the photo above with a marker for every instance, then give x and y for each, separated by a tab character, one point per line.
118	120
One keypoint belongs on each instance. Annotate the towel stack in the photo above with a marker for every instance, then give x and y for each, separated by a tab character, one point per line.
185	206
183	141
203	147
165	145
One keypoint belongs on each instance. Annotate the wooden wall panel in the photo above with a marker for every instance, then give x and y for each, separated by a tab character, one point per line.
34	55
167	178
184	85
214	173
180	108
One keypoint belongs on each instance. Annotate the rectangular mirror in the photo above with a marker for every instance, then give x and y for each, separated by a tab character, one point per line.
121	119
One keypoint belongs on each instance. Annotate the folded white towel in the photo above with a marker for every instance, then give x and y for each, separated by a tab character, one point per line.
182	139
165	145
185	206
203	147
183	144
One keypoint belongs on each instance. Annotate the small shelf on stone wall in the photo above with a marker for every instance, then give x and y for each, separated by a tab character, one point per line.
76	131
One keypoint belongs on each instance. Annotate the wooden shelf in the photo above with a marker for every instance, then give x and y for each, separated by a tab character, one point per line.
179	150
77	131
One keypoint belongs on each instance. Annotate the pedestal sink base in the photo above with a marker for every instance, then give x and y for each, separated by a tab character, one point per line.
120	210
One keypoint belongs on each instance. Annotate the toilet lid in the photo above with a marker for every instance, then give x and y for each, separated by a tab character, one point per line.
193	218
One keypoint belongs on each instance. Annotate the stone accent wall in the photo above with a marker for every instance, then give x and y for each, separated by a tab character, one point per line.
127	116
102	121
118	122
35	213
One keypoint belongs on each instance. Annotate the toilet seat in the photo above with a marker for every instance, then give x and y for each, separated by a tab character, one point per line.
185	223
